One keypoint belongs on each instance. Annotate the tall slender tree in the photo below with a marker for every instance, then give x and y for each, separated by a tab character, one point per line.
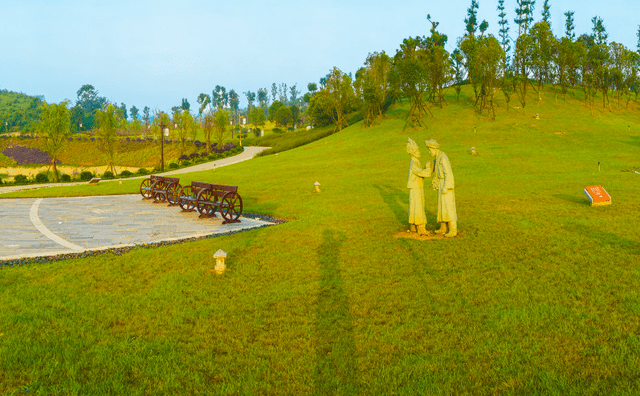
293	93
599	34
55	122
251	96
234	104
524	16
505	40
146	116
471	20
569	26
107	127
263	98
546	12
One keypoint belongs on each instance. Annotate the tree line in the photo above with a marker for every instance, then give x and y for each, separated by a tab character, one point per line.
422	69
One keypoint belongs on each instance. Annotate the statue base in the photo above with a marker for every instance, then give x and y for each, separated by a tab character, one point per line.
430	237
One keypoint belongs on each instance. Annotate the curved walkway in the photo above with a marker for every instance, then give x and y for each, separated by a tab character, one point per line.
36	227
248	153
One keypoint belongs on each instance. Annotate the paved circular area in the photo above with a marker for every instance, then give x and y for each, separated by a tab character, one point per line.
51	226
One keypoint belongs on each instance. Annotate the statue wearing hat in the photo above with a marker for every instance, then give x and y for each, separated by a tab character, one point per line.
443	182
417	217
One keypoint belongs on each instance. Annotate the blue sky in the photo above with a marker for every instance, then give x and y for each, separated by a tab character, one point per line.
154	53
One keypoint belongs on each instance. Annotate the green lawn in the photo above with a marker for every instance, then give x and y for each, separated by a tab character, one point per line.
537	295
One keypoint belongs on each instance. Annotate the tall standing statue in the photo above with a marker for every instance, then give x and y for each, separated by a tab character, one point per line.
417	217
443	182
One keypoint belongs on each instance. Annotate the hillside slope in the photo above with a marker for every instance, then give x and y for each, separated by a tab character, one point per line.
537	295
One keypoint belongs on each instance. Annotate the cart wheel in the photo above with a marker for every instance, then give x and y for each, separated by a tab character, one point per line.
158	196
145	188
206	209
231	207
187	198
173	193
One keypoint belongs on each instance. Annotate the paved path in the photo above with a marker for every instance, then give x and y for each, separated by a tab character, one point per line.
248	153
34	227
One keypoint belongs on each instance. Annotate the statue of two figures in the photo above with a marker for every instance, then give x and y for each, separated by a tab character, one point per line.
442	181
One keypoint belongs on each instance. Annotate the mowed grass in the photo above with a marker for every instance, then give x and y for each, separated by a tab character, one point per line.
537	295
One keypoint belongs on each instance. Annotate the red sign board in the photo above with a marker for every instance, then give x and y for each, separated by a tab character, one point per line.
597	196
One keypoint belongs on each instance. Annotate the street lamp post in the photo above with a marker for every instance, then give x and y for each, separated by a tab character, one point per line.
163	130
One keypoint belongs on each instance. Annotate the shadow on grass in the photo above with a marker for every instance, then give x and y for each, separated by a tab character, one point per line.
398	203
336	368
392	197
617	242
635	141
582	200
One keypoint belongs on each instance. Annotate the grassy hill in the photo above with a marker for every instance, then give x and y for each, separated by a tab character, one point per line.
20	111
537	295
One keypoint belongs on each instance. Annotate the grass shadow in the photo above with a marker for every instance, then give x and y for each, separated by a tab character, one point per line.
582	200
396	200
635	141
336	368
618	242
392	197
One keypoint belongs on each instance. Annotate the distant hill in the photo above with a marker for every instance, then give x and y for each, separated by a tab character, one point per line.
18	112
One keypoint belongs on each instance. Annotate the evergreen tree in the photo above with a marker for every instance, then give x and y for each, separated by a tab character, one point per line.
524	15
145	115
599	32
569	26
505	41
471	21
546	13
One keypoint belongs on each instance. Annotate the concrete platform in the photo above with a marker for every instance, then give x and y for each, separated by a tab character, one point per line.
33	227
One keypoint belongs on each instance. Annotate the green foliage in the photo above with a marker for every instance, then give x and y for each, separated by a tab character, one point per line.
173	165
333	101
373	86
65	177
107	125
18	112
142	171
42	177
86	175
90	102
54	124
283	116
256	117
220	124
108	175
126	173
20	179
273	109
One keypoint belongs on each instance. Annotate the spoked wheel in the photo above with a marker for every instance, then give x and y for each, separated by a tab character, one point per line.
145	189
173	193
204	203
158	196
187	198
231	207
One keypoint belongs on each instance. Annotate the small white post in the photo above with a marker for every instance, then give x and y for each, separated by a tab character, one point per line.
317	185
220	266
